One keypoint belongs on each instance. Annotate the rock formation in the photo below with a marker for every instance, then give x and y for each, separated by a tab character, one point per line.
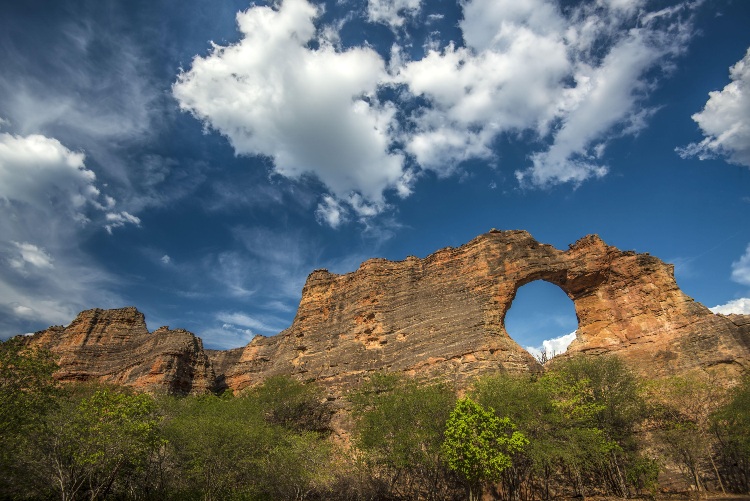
115	346
437	317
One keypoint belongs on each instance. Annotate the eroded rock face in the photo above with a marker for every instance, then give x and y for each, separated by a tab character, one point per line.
443	316
437	317
115	346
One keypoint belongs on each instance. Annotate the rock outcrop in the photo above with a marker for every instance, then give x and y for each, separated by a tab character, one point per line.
437	317
115	346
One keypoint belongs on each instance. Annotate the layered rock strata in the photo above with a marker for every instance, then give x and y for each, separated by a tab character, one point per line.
114	346
437	317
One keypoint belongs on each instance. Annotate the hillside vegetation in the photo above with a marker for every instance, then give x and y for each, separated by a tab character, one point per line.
587	426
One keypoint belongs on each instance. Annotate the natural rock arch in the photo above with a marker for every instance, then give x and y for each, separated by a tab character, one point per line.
540	311
437	317
443	316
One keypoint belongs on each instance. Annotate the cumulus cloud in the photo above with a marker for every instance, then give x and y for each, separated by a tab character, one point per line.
37	170
392	12
38	173
741	268
526	67
725	120
331	212
552	347
48	198
87	78
739	306
568	80
313	111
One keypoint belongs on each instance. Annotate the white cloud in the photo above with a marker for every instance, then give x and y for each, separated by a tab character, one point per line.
50	295
569	80
629	6
48	197
603	96
31	254
527	67
741	268
88	79
725	120
22	311
119	219
234	273
330	212
392	12
238	329
39	174
285	258
552	347
112	97
165	259
225	336
311	111
739	306
37	170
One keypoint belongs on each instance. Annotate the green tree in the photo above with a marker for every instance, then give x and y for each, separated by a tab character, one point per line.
297	465
731	426
529	404
292	404
253	446
399	426
601	405
478	445
27	395
682	408
95	445
214	444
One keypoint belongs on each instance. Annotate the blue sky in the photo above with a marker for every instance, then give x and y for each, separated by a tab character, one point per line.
198	159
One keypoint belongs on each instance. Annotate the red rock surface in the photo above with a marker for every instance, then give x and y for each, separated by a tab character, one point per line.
437	317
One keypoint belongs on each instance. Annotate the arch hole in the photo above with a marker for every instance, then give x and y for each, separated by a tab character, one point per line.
542	319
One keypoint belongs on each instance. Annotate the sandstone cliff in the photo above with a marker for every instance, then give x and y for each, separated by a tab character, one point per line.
441	316
115	346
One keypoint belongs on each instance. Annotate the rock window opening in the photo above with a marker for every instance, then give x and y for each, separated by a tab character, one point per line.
542	319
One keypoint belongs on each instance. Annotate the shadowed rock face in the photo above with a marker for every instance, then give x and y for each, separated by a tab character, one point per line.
441	316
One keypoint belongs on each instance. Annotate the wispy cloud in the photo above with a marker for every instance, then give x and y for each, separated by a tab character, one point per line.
31	254
263	324
41	287
102	88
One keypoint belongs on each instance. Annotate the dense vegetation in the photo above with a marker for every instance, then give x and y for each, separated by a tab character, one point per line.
587	426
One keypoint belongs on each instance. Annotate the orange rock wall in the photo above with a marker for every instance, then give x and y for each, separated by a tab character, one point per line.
437	317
